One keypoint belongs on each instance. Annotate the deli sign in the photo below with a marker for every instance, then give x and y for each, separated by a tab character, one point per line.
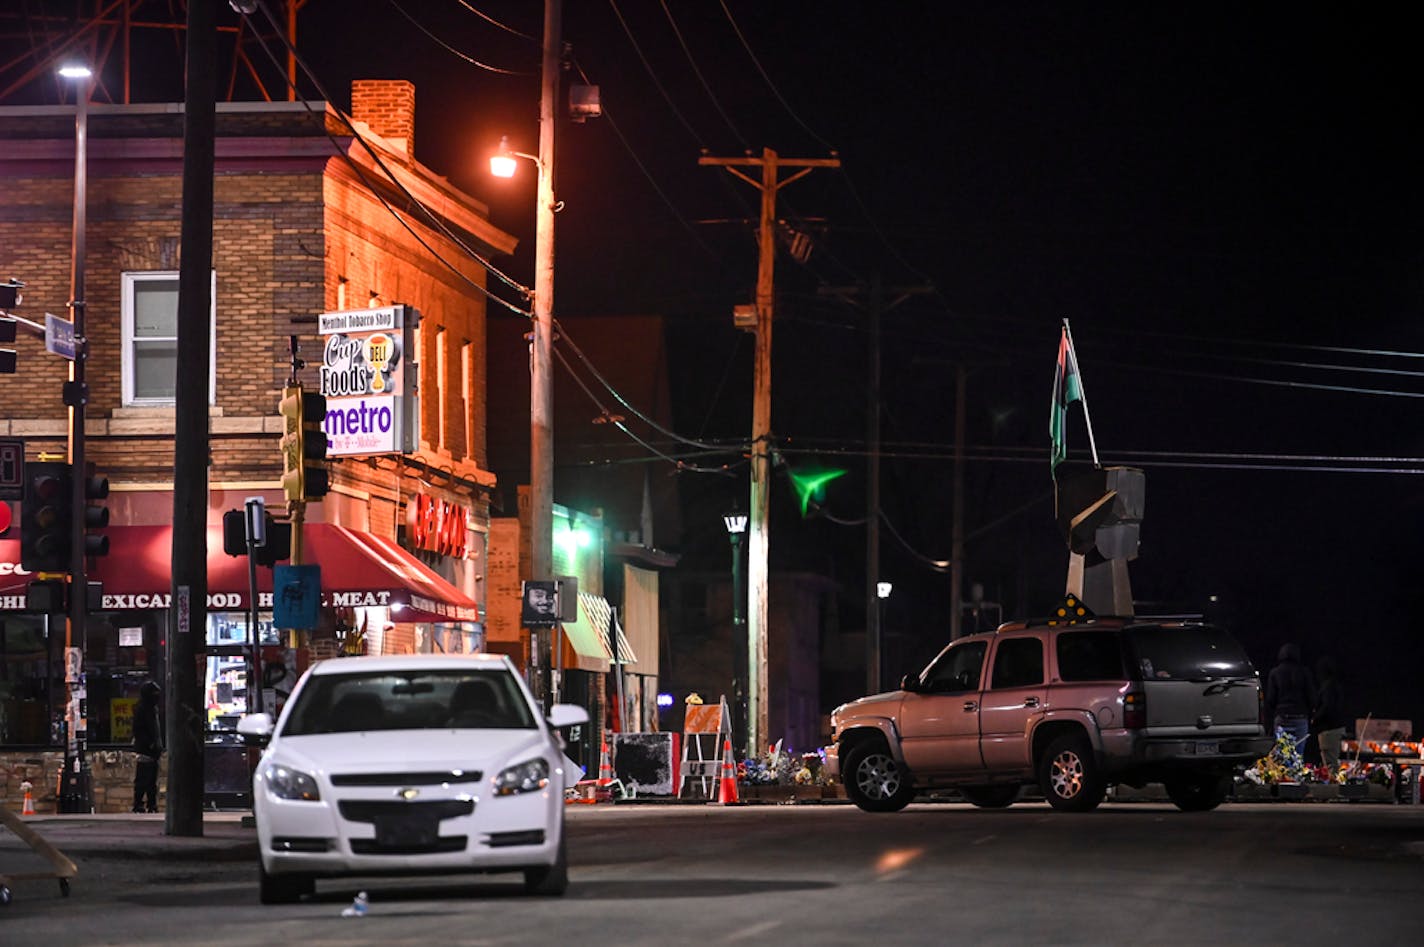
370	382
436	525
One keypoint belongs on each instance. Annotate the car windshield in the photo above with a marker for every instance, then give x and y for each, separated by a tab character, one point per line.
1198	653
409	700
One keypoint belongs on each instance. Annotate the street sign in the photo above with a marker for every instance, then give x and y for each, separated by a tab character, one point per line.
12	468
59	336
296	600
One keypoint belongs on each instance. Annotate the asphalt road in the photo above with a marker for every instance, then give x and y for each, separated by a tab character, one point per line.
1257	874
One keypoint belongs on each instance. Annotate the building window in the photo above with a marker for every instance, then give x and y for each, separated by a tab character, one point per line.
150	353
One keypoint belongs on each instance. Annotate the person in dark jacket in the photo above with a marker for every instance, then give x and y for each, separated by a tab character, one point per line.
148	744
1290	695
1328	722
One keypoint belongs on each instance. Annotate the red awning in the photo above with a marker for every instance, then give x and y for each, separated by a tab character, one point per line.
357	569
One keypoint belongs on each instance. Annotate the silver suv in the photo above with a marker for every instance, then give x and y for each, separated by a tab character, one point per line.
1073	708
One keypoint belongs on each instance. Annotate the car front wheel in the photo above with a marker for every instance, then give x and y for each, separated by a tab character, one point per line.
874	781
1069	777
549	880
282	889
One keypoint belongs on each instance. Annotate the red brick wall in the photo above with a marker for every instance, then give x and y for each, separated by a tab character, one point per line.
388	107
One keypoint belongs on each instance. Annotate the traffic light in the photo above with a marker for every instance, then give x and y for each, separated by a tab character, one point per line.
96	515
304	476
45	541
9	299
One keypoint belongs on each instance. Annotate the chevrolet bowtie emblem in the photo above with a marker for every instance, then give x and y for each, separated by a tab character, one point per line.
408	793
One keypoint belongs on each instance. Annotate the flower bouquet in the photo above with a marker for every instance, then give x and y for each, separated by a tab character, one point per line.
1281	766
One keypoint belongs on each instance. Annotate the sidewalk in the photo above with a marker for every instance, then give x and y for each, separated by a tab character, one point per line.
136	835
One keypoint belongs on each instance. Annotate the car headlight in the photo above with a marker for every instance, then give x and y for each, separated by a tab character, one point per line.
287	783
529	776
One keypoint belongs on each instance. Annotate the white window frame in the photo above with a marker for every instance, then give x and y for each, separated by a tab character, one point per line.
129	281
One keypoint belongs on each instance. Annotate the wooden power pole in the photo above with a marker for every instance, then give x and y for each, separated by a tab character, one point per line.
770	182
188	618
874	308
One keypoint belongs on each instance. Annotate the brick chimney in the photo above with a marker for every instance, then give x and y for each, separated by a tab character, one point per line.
387	106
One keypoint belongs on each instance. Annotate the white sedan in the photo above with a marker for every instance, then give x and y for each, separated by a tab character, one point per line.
411	764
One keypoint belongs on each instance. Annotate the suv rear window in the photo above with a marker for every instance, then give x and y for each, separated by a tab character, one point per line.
1090	656
1184	654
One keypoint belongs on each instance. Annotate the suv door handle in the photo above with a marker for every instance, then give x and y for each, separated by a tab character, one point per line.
970	706
1030	701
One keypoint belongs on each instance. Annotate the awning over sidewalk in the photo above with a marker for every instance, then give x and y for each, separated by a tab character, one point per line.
357	569
588	647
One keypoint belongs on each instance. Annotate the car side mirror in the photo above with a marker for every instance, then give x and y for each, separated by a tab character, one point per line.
910	682
256	729
566	715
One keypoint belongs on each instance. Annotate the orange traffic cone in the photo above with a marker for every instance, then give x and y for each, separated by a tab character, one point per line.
29	806
605	766
727	785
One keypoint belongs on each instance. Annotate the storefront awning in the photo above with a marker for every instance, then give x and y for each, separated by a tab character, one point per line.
357	569
588	647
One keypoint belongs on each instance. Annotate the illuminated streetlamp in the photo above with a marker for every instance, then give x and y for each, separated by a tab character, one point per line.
736	523
541	388
75	793
882	593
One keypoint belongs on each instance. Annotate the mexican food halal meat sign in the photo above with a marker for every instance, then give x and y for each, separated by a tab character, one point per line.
370	383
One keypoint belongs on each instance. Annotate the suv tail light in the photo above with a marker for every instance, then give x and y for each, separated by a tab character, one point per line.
1134	710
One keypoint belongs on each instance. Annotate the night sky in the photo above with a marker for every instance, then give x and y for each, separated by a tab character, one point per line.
1223	200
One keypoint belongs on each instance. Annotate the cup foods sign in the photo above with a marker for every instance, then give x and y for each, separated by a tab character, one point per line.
370	383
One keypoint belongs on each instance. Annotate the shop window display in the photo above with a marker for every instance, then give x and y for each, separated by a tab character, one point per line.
31	682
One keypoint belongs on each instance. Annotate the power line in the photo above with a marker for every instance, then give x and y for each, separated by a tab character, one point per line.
430	215
452	50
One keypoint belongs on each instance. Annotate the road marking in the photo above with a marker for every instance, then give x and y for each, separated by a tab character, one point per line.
753	931
981	841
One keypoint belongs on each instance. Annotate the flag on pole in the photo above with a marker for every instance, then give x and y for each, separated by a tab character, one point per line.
1067	388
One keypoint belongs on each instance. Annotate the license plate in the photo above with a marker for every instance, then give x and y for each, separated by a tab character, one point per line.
1208	747
406	831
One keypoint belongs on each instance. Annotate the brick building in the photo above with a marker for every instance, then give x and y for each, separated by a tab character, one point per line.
299	230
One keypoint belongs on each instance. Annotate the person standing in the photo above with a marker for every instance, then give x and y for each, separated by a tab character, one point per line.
1328	722
1290	695
148	744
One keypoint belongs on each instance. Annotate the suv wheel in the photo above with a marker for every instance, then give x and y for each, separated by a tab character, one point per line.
874	781
990	797
1200	792
1068	775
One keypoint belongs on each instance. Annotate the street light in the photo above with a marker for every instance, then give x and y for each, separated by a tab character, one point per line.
736	523
882	593
541	388
75	793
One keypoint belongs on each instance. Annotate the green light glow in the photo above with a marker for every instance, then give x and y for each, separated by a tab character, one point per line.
811	485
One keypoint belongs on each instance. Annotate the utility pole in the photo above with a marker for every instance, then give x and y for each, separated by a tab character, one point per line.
541	393
188	618
875	308
770	164
956	526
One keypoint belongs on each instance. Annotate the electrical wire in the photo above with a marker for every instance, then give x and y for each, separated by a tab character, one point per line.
771	85
439	224
716	103
493	22
565	339
647	174
648	66
455	52
620	425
